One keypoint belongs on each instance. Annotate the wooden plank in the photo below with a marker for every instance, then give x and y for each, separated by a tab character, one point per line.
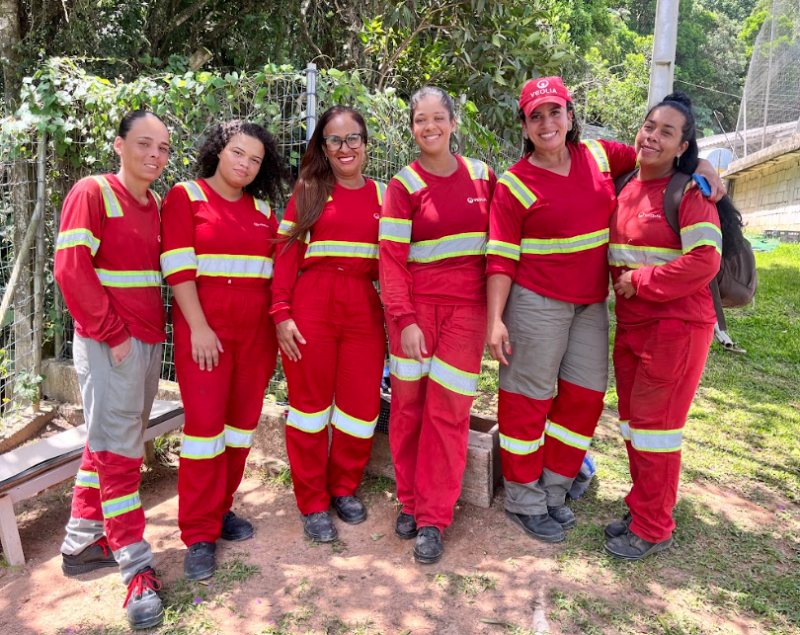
44	481
9	533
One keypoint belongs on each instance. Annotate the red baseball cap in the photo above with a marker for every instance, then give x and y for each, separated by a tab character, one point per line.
543	91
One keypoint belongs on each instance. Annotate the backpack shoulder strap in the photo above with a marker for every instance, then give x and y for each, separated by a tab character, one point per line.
673	196
621	181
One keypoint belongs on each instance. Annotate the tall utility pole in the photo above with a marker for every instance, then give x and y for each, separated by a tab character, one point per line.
662	69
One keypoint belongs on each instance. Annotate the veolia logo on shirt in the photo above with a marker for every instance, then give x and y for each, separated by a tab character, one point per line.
260	225
476	200
644	215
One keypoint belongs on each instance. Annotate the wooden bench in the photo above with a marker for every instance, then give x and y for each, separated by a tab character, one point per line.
36	467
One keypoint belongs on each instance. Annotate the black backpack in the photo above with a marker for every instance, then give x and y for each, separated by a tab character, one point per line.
737	281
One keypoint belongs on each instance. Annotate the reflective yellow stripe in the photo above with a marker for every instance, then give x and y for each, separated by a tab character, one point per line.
408	369
234	266
544	246
625	429
202	447
452	378
340	248
236	438
599	154
381	191
78	237
410	179
129	279
568	437
478	170
176	260
656	440
507	250
113	208
699	234
121	505
635	256
87	479
469	244
518	446
194	190
352	426
263	207
308	422
395	229
518	189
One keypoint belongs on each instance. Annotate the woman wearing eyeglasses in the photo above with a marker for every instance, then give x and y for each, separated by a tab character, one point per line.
330	322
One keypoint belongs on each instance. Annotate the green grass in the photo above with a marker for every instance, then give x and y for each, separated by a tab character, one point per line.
471	584
743	436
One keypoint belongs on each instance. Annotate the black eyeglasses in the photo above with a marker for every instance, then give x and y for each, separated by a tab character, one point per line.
354	141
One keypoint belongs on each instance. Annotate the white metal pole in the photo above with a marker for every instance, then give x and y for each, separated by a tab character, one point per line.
665	38
311	100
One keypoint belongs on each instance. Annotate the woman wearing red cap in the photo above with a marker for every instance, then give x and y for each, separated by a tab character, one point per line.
547	313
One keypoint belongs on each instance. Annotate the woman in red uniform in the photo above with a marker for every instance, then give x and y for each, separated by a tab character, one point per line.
547	290
665	319
432	244
330	321
218	244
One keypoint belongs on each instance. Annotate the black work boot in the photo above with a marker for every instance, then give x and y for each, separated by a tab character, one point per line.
629	546
143	605
319	527
540	526
429	546
618	527
406	526
235	528
349	509
96	556
200	562
562	515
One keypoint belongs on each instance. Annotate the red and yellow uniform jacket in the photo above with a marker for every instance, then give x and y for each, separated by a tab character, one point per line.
344	239
549	233
433	238
215	241
671	273
107	262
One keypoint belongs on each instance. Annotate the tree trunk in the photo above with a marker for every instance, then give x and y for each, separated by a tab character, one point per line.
10	38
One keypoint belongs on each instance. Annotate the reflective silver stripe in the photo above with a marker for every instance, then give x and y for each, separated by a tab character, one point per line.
599	154
194	190
352	426
499	248
113	208
341	248
395	229
234	266
76	237
478	170
121	505
470	244
177	260
452	378
381	190
236	438
87	479
129	279
699	234
263	207
518	189
568	437
410	180
408	369
202	447
633	256
518	446
285	226
656	440
625	430
583	242
313	422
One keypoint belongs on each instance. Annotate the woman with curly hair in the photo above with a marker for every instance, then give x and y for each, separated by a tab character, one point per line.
219	236
330	321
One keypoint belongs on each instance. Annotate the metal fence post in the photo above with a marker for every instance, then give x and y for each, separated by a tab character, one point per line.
311	100
39	263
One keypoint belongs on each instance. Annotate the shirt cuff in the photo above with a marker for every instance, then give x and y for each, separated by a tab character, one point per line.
405	320
281	314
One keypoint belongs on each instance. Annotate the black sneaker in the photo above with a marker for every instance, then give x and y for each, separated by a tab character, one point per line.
406	526
235	528
319	527
96	556
563	515
629	546
349	509
200	561
618	527
540	526
429	546
143	605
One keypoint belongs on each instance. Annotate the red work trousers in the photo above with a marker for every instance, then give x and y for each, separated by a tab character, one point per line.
337	379
222	406
429	422
658	368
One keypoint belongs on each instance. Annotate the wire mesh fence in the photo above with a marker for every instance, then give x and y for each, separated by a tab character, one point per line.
770	108
37	324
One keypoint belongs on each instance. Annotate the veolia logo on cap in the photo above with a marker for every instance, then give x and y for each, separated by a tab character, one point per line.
542	83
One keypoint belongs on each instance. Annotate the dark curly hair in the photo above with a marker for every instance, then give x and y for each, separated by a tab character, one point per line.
273	178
